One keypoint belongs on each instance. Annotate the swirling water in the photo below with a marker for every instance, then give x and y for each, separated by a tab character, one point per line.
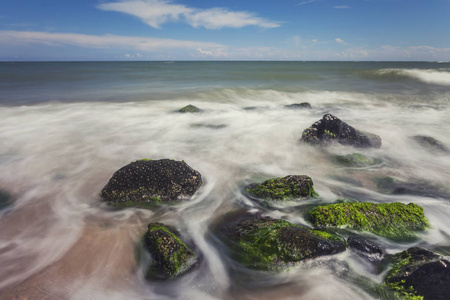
67	127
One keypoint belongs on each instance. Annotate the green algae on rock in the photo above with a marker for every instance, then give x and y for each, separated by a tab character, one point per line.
391	220
356	160
172	256
148	183
417	273
331	129
190	109
269	244
285	188
301	105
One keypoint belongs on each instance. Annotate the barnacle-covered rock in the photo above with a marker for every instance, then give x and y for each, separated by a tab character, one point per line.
146	183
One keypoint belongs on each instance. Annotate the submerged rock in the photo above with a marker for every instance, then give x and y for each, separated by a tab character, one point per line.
286	188
419	274
299	105
394	186
331	129
190	109
356	160
146	183
268	244
431	143
172	256
372	251
5	200
392	220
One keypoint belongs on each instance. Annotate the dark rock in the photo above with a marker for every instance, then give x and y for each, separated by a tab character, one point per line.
392	220
190	109
5	199
418	272
331	129
289	187
269	244
172	256
210	126
299	105
369	249
397	187
150	182
431	143
356	160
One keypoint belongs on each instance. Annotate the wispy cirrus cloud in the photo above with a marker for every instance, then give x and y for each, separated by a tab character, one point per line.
342	7
157	12
306	2
99	41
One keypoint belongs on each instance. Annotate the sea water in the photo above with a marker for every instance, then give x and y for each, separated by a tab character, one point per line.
65	128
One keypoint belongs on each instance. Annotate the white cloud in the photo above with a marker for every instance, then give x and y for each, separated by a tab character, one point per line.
157	12
342	7
306	2
340	41
99	41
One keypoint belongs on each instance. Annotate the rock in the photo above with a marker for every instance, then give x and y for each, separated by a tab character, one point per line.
419	274
391	220
299	105
372	251
331	129
268	244
172	256
190	109
431	143
356	160
394	186
146	183
5	200
286	188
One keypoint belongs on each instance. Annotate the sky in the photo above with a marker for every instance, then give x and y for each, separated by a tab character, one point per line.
349	30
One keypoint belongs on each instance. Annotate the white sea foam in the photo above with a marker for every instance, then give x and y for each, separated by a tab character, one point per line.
56	158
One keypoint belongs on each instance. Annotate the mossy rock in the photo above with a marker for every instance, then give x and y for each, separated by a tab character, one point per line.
331	129
391	220
5	199
269	244
301	105
172	256
417	273
148	183
285	188
190	109
356	160
431	143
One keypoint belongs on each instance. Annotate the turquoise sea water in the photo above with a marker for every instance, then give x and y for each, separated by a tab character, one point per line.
65	128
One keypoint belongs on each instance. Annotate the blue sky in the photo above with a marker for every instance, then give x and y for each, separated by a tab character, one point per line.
224	30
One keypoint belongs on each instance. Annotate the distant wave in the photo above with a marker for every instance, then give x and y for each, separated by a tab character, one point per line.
431	76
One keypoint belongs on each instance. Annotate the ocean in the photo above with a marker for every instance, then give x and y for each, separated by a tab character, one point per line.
66	127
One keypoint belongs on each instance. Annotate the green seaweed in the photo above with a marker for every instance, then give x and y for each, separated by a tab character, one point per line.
400	289
268	244
173	256
391	220
286	188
